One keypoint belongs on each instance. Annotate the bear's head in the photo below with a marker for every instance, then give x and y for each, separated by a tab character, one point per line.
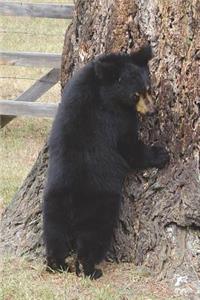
125	79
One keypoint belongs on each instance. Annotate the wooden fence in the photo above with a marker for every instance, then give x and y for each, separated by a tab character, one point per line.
23	105
55	11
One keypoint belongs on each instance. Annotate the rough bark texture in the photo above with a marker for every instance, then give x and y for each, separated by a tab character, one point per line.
160	221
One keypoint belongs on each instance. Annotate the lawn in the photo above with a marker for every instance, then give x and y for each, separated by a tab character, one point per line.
23	280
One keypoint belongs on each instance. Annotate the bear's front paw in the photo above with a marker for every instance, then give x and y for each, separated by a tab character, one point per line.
160	157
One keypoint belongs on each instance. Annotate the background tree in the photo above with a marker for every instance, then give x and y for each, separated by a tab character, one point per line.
160	220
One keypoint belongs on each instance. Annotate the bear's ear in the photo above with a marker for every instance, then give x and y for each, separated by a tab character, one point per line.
106	70
142	56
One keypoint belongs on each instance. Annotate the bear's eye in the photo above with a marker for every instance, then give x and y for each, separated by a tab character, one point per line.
119	80
148	90
137	97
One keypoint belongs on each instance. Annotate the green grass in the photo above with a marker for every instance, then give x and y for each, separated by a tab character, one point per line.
23	280
32	34
21	140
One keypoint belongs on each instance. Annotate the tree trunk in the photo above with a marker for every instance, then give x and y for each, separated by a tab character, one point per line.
160	220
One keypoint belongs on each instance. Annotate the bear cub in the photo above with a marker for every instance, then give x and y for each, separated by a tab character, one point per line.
93	145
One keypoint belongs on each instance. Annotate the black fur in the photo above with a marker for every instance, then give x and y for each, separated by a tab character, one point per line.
93	145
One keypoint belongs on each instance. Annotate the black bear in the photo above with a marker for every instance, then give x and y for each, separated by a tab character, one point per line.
92	147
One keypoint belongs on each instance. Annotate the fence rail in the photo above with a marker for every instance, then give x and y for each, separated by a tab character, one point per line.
36	10
22	108
32	94
30	59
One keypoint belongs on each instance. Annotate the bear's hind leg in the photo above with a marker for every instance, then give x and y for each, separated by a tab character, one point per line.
89	253
56	232
94	234
56	248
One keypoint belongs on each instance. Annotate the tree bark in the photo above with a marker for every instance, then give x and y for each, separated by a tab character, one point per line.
160	220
